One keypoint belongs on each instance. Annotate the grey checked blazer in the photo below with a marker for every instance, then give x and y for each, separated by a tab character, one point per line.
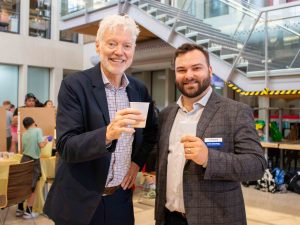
213	195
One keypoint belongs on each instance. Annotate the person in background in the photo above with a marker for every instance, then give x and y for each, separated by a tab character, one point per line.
32	142
30	101
12	108
49	104
199	172
100	151
9	117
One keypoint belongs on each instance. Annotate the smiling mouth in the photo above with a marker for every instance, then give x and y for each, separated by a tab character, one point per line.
117	60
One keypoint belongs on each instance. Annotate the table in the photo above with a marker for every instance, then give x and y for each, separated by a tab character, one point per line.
285	145
48	172
4	170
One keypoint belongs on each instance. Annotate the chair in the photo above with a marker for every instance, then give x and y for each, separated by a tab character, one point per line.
19	186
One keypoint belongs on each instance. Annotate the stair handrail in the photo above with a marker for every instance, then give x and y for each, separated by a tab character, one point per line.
241	8
244	45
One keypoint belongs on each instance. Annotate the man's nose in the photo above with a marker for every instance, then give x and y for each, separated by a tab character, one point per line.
189	74
119	49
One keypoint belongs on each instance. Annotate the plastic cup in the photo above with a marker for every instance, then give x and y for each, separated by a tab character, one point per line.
188	128
143	107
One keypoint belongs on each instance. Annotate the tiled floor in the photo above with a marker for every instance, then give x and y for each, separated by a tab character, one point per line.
262	209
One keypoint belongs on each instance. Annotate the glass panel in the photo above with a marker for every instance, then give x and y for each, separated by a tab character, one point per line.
9	76
71	6
69	36
145	77
217	84
213	8
97	4
9	15
40	18
38	82
158	88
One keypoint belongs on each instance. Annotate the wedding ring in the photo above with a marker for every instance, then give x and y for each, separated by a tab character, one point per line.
189	150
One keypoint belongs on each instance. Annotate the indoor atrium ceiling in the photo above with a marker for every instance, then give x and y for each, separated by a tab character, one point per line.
91	29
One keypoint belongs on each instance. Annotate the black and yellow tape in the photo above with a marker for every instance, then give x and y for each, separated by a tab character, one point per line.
265	92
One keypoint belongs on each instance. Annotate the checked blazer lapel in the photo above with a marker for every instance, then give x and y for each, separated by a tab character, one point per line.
167	130
208	113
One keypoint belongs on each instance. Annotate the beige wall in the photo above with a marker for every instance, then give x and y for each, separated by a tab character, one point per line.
23	50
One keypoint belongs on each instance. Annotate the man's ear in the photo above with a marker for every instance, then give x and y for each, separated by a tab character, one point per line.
97	43
210	71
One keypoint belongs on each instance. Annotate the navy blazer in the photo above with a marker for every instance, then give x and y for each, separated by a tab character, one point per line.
82	118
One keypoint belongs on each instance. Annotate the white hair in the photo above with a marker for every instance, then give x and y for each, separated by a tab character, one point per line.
113	21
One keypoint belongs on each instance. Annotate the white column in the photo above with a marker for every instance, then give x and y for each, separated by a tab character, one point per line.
170	86
23	76
24	17
263	114
56	76
55	18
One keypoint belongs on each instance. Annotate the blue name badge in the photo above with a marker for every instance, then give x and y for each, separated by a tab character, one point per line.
214	142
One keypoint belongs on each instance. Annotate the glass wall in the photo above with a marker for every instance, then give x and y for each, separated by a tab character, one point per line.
68	36
9	15
9	78
38	82
71	6
40	18
213	8
158	88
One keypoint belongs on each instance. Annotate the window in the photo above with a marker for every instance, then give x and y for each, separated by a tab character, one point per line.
38	82
69	36
71	6
158	88
9	15
213	8
40	18
9	78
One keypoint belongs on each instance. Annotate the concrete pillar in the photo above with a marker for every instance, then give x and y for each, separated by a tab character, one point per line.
56	76
170	86
55	19
24	17
23	76
263	113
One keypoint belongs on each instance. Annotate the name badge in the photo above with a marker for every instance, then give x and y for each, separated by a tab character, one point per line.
214	142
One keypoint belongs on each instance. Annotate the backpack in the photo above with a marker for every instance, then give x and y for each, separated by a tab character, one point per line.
278	175
293	181
267	182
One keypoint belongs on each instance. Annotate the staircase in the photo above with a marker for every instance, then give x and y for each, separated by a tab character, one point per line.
245	69
218	44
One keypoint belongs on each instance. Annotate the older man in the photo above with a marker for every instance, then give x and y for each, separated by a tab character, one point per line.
101	153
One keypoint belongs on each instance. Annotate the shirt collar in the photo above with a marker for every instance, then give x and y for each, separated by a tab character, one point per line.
124	81
196	105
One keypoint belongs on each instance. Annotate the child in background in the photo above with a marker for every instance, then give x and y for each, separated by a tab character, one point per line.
32	142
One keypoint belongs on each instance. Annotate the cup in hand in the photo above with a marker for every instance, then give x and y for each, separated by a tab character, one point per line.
188	128
143	107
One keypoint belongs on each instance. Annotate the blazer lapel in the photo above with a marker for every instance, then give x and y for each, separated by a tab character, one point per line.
208	113
167	129
99	92
133	94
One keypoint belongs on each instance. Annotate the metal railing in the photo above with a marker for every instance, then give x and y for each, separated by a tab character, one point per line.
246	32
